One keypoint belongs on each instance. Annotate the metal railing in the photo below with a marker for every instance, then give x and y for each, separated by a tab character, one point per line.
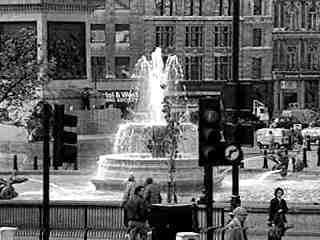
82	220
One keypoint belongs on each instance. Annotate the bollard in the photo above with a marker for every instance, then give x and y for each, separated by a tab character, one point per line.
304	156
35	163
265	159
293	161
15	162
241	164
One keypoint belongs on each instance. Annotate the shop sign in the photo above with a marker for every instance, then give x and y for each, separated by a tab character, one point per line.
288	84
121	96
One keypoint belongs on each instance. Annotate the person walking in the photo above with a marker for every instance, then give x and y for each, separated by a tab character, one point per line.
152	195
277	215
137	212
152	192
127	195
235	229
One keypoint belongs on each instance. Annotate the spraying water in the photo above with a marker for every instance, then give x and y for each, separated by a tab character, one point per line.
155	76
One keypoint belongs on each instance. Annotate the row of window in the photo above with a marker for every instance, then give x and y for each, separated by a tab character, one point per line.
295	17
190	7
296	56
193	68
165	35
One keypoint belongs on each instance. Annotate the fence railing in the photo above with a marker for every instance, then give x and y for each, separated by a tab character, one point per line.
97	121
81	220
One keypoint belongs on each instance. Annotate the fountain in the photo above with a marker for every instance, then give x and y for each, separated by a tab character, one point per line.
132	153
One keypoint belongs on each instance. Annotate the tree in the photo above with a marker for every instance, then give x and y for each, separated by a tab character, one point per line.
22	74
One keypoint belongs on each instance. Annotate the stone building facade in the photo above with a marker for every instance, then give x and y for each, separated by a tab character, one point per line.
296	55
116	33
199	32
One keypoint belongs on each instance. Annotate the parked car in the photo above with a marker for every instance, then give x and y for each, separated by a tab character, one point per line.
280	137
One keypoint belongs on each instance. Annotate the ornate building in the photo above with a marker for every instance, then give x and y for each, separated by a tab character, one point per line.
199	32
109	36
296	52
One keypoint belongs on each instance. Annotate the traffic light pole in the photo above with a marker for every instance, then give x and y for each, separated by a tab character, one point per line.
46	167
208	177
235	199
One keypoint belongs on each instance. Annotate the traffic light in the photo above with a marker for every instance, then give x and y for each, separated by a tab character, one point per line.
65	142
209	131
213	150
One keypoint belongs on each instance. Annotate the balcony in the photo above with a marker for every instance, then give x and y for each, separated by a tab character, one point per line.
307	68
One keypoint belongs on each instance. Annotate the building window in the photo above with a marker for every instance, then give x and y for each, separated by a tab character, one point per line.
122	4
122	36
224	7
292	57
257	7
164	7
193	68
122	66
257	37
164	36
222	68
222	36
311	94
194	36
312	58
311	22
98	68
192	7
97	34
256	68
67	44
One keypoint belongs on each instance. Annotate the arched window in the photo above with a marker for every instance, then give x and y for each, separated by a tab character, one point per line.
292	57
311	18
312	57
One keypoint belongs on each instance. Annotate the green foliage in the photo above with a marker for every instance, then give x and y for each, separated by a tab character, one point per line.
22	75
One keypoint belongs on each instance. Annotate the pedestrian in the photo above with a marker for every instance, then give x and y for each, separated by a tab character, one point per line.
152	192
298	165
85	98
152	195
235	229
137	212
127	195
277	215
270	140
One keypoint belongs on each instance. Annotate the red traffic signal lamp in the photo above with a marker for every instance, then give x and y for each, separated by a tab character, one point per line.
213	150
65	142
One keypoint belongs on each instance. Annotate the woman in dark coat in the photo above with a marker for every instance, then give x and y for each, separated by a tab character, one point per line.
277	215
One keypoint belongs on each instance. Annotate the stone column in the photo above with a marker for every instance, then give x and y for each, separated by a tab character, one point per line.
42	39
88	51
276	95
208	69
301	91
42	33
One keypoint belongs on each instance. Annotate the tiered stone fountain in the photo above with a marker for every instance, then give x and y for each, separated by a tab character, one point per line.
131	154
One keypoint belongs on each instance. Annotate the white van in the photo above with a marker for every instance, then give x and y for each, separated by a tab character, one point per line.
312	132
279	136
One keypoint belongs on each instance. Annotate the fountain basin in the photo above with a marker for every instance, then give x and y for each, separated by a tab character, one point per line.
114	169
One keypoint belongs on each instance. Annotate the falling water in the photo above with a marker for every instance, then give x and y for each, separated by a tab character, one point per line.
155	76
